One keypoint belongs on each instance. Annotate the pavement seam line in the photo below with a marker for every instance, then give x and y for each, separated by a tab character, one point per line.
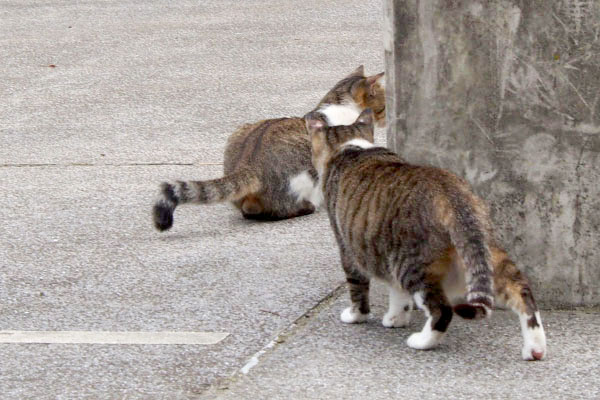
287	333
140	164
112	337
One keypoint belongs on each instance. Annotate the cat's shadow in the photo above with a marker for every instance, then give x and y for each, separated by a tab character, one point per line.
234	222
171	237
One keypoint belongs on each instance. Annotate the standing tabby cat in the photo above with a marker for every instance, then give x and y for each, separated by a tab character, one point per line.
268	173
419	229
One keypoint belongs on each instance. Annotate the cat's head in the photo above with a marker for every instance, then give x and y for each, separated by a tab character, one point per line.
326	140
364	91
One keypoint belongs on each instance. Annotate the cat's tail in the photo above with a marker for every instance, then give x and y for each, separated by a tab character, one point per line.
228	188
469	233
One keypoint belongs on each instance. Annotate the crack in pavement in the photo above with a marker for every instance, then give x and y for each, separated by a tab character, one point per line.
287	333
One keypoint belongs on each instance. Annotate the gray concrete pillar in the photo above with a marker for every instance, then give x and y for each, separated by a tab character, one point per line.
506	94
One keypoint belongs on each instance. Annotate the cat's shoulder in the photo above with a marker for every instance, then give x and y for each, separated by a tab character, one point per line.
356	150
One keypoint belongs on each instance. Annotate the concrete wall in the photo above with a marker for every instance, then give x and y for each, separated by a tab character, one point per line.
506	93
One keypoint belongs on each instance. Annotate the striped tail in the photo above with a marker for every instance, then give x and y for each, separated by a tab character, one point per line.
229	188
470	238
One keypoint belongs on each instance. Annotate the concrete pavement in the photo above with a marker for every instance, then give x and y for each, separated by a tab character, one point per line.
322	358
102	100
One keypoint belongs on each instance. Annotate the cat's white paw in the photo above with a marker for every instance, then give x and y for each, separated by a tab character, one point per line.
396	320
535	344
398	313
424	340
352	316
534	338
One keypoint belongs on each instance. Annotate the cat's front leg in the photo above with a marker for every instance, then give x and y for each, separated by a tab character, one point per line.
400	307
358	286
351	315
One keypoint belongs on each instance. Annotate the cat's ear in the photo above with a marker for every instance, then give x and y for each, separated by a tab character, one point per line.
365	121
372	80
314	125
365	117
314	122
360	71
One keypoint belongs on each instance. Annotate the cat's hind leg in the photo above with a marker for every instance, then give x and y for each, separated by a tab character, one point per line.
358	286
252	208
425	286
400	307
305	207
251	205
439	314
512	289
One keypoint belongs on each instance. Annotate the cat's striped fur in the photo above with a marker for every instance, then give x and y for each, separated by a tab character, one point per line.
267	169
421	230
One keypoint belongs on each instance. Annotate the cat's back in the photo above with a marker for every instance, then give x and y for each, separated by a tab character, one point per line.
384	170
354	167
368	188
266	141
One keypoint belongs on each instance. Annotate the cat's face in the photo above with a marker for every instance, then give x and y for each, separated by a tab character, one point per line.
370	94
326	140
364	91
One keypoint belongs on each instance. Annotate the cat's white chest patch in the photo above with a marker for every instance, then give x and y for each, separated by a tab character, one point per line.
304	187
340	114
362	143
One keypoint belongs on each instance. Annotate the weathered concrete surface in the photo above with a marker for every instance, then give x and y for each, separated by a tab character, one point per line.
158	82
79	252
326	359
507	95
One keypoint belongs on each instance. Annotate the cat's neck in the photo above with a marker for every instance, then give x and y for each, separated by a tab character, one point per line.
340	114
325	166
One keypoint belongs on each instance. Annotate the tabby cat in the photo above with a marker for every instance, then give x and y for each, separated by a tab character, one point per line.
268	173
419	229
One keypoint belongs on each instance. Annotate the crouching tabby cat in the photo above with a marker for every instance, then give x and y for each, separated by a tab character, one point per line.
419	229
268	173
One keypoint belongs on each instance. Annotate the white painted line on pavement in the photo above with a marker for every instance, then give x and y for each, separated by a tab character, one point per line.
254	360
105	337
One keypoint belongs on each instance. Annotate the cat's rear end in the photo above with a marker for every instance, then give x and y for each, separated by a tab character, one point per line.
278	151
415	228
267	175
